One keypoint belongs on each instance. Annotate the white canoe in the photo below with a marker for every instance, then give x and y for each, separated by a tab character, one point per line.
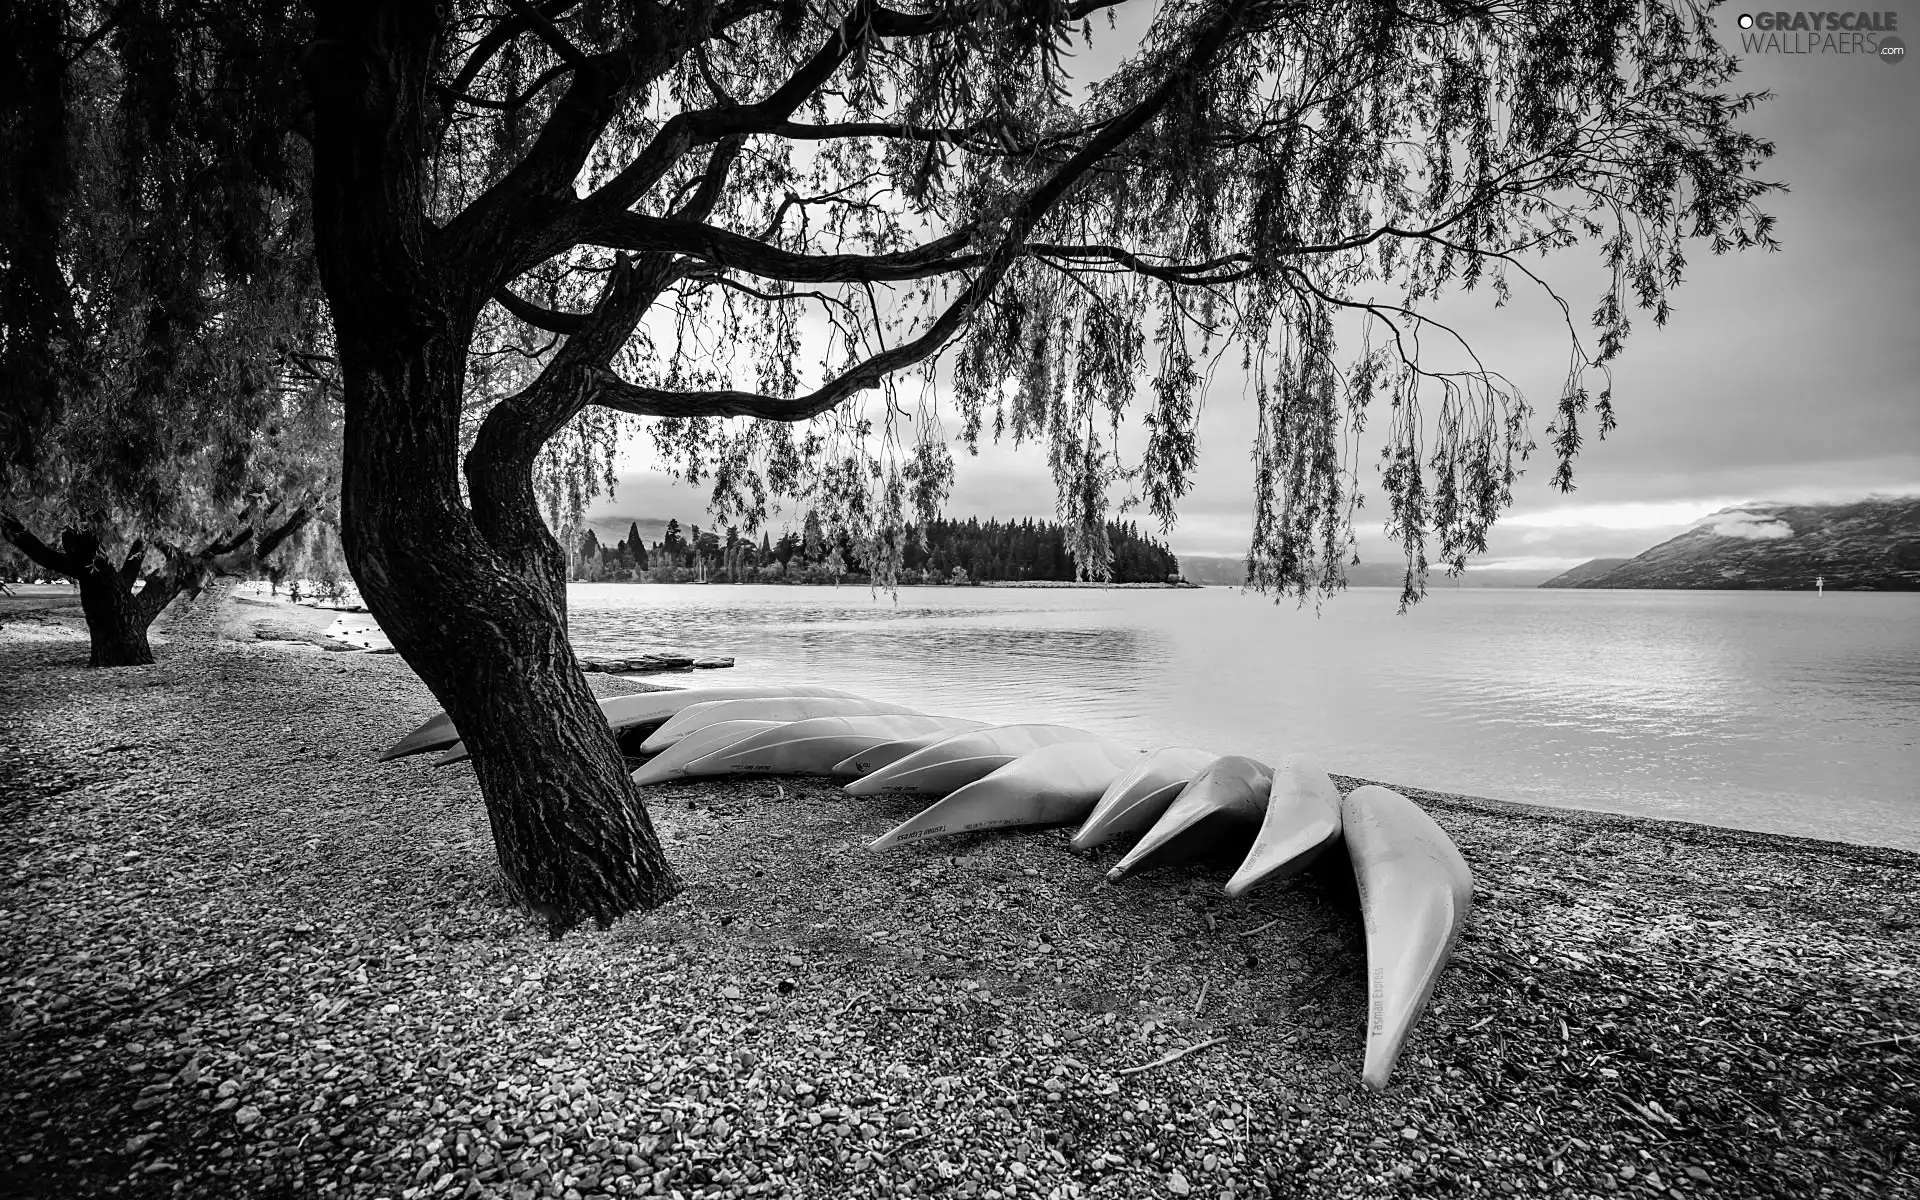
766	708
1415	891
1232	791
959	760
1136	799
881	754
673	762
622	712
1302	820
1050	786
813	746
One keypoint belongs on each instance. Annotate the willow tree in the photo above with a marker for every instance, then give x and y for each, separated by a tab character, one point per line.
751	220
158	303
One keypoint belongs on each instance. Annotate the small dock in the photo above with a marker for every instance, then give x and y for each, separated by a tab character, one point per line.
651	663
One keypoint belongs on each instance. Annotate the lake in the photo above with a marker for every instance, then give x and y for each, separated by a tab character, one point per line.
1779	711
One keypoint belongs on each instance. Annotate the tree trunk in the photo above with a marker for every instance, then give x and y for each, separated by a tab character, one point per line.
475	607
484	627
117	618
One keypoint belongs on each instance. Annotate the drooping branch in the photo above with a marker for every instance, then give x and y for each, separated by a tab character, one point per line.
641	400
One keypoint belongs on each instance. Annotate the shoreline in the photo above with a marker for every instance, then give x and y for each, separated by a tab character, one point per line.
316	987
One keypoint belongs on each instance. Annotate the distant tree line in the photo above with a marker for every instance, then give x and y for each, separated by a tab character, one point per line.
953	552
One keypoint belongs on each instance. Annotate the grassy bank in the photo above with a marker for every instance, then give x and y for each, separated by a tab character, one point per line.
241	958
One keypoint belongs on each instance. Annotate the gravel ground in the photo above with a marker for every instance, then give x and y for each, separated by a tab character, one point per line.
238	957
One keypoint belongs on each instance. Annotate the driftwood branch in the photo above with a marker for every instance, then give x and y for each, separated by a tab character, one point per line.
1171	1056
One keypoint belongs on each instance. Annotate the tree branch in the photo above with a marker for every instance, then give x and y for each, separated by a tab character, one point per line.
617	393
551	35
549	319
496	39
37	550
273	538
724	248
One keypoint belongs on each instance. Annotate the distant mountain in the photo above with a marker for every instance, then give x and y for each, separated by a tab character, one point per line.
1585	573
1218	571
1869	545
1213	570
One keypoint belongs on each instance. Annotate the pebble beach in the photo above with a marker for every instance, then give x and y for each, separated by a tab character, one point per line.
240	957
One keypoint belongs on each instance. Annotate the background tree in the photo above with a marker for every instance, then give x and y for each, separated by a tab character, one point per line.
663	191
159	310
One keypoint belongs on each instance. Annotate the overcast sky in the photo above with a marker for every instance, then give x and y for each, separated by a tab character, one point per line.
1792	376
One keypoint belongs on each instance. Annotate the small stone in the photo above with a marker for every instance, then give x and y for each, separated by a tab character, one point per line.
248	1116
1410	1133
1178	1185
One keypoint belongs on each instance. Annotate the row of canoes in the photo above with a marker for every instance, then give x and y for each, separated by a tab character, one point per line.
1414	887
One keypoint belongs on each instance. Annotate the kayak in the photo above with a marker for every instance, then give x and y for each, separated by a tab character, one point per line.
622	712
959	760
814	745
1049	786
1302	820
1230	794
1135	800
672	763
1415	891
766	708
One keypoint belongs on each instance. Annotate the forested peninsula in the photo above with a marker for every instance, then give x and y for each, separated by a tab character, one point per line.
951	551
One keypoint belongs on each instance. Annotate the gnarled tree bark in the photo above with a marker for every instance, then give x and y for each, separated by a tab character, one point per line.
473	599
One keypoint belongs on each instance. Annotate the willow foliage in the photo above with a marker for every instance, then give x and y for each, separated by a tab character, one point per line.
161	321
839	224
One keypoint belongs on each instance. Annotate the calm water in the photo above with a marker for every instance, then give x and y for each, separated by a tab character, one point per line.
1774	711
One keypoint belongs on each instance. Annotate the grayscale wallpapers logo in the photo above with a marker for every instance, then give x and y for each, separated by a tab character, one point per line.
1850	33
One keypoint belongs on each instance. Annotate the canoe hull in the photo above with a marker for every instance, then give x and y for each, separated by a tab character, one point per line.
815	745
622	712
766	708
1133	802
1301	822
1053	785
959	760
1227	798
884	754
1415	893
672	763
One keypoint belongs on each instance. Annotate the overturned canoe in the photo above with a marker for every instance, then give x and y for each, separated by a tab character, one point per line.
813	746
1302	820
1415	891
672	762
881	754
1136	799
766	708
959	760
1050	786
622	712
1229	795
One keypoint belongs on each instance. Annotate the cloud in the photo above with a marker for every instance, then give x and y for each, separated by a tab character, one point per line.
1751	526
